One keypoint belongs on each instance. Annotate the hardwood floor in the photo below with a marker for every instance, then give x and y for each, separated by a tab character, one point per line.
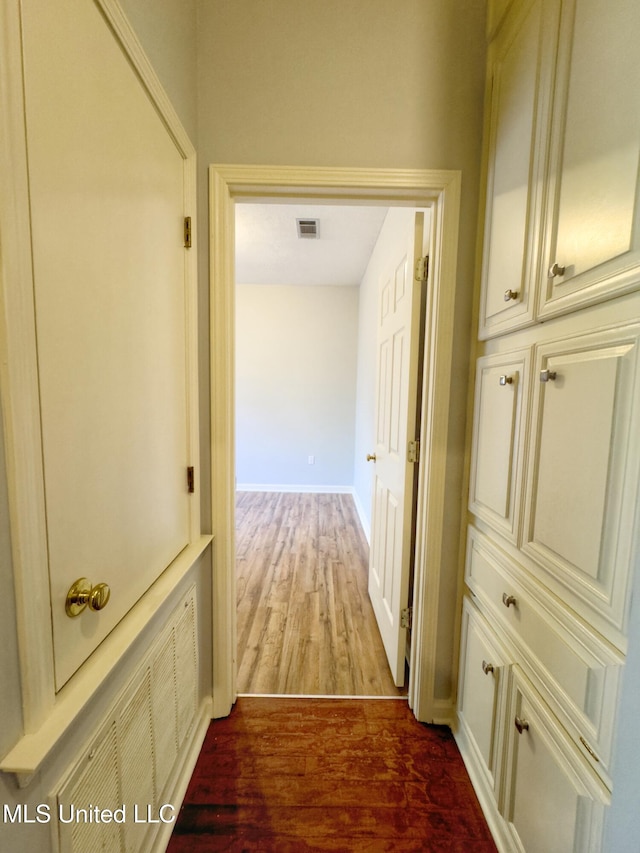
285	775
305	622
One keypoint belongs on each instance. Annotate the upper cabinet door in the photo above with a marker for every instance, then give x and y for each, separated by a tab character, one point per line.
520	63
583	470
592	243
107	192
496	455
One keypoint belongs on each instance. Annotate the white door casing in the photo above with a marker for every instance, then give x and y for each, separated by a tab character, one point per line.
398	343
439	190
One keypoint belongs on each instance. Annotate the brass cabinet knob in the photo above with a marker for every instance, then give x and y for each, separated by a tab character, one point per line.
508	600
510	294
99	597
548	375
506	380
521	725
371	457
556	269
487	667
83	594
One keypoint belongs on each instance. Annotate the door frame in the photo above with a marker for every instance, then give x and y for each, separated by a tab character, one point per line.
437	189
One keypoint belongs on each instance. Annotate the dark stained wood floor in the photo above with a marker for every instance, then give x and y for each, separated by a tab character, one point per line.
305	622
286	775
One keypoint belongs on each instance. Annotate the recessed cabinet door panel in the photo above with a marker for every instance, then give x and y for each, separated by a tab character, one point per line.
594	235
554	803
583	467
573	665
107	203
519	65
496	452
481	689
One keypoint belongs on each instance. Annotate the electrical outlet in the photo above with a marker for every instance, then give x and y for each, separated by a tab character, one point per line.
311	460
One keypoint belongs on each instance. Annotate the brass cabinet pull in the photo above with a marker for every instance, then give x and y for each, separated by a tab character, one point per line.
510	294
487	667
508	600
555	269
83	594
521	725
371	457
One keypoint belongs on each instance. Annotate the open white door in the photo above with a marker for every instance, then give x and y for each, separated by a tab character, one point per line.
398	344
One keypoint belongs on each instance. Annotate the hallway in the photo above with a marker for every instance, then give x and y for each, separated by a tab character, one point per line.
291	775
305	622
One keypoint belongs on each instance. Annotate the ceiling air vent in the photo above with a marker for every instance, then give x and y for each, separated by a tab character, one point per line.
308	229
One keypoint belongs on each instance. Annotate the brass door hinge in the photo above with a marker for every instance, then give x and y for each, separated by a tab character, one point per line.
413	451
191	482
422	268
406	617
187	232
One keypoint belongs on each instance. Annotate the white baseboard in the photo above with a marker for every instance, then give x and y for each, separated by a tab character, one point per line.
160	840
495	821
318	490
364	521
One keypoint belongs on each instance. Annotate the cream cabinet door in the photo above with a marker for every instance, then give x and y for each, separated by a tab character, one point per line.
583	470
496	460
482	691
107	202
592	247
520	62
554	803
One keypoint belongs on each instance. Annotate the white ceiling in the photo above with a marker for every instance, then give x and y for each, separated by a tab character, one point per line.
268	250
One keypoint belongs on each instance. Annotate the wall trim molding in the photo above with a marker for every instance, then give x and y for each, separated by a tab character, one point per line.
437	189
293	488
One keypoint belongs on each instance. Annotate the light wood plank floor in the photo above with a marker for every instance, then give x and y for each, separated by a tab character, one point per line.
305	622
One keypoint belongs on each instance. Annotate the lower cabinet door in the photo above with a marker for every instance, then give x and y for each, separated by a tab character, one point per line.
482	692
554	803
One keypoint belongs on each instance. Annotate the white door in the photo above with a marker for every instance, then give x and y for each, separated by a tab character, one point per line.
396	412
107	202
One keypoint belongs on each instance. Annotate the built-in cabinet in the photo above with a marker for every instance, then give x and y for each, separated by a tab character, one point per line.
555	438
563	142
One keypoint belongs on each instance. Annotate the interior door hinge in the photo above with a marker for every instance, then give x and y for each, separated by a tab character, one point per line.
422	268
413	451
191	481
187	232
406	617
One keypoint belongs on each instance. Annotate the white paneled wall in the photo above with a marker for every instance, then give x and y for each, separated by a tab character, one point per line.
130	766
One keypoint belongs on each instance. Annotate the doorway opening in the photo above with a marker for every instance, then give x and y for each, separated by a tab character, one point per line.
439	191
308	281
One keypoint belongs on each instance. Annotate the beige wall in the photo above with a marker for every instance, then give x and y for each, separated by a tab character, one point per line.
356	83
167	31
295	385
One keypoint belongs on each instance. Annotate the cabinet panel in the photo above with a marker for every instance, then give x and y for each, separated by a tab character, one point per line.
554	804
520	61
593	230
569	665
583	467
107	195
482	690
496	465
131	763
